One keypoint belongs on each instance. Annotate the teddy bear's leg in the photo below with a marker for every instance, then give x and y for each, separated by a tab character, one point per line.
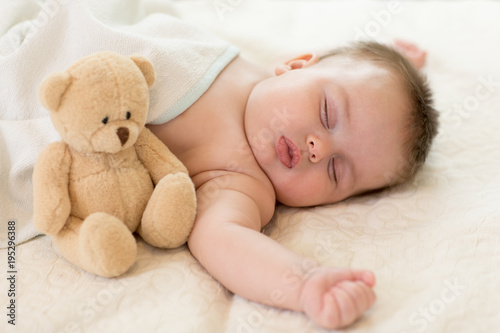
101	244
170	213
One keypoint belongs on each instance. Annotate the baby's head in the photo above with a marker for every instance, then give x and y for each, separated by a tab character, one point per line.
326	128
422	121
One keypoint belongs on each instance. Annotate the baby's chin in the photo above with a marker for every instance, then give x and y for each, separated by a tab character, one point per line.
286	199
291	201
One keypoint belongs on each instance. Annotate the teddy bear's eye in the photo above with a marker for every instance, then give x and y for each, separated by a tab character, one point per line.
105	120
128	115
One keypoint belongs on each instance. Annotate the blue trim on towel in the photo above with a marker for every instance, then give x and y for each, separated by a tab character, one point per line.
199	88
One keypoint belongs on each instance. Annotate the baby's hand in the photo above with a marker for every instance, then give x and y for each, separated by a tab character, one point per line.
412	52
336	297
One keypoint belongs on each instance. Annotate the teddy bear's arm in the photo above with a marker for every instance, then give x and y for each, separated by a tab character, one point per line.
156	157
51	202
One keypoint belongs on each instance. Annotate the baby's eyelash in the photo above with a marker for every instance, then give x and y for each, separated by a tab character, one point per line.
331	170
324	114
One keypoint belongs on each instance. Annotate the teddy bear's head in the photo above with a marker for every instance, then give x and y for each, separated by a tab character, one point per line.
101	102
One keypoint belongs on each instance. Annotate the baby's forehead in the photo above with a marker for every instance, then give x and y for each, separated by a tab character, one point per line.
372	76
367	71
383	68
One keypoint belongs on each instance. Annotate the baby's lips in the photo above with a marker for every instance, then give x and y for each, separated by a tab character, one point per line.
288	152
282	150
296	153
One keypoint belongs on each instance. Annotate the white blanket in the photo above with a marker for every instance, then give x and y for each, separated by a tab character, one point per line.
186	61
434	244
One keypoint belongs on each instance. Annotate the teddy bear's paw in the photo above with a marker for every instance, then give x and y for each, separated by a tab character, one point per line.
107	247
169	216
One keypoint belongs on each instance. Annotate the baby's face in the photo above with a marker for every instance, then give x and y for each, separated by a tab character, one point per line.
328	131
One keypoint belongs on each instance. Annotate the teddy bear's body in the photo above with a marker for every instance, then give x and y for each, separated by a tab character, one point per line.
121	173
109	176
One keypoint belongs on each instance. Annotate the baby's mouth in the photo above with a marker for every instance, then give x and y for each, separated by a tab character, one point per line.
288	152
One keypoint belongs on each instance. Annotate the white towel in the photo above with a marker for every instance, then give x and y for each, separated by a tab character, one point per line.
186	61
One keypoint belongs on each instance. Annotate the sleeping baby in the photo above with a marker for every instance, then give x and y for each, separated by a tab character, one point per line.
320	129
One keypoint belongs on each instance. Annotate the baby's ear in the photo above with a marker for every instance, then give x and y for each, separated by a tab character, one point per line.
302	61
52	89
146	68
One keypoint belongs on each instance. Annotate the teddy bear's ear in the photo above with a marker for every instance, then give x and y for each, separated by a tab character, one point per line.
146	68
52	89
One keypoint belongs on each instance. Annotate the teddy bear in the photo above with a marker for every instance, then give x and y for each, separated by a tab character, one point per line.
109	176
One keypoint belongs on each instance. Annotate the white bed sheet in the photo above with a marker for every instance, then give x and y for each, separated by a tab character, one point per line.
434	244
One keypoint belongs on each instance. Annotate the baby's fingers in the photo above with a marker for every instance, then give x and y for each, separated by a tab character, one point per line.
334	298
342	304
354	298
362	275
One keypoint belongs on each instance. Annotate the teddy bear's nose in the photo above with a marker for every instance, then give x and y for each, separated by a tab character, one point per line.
122	133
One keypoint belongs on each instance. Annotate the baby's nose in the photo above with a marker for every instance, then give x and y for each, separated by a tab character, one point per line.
317	149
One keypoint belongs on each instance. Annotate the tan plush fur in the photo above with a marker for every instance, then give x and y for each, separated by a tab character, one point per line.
109	176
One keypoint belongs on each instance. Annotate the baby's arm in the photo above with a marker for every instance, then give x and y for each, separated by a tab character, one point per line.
227	241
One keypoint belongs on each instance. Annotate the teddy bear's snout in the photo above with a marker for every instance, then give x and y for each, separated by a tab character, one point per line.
123	134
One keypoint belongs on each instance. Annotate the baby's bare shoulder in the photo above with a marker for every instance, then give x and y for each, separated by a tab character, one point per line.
217	187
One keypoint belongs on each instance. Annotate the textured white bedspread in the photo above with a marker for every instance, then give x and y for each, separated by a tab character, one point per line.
434	245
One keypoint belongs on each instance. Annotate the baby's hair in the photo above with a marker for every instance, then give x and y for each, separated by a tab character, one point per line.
423	118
